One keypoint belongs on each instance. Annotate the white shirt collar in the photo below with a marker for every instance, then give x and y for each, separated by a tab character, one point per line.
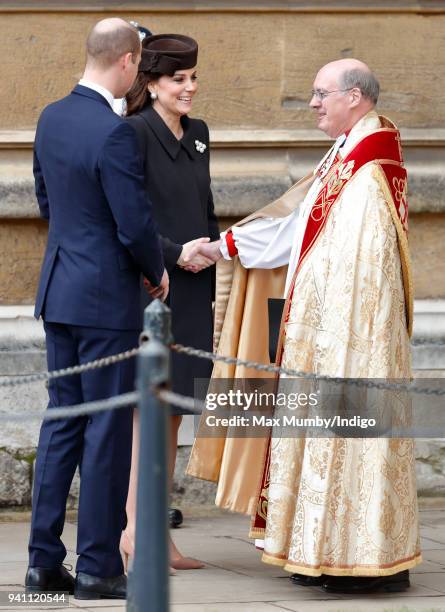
120	106
100	90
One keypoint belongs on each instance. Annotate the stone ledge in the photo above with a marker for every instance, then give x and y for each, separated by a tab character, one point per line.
15	479
31	398
249	168
430	467
21	333
234	196
240	196
19	330
22	341
429	324
426	188
237	195
18	200
253	138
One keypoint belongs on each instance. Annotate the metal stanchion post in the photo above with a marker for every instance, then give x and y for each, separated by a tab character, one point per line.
148	578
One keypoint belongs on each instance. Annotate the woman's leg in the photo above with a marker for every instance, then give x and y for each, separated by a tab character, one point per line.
177	560
128	536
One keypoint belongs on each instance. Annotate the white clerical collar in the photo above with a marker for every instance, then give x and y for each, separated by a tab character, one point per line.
100	90
323	167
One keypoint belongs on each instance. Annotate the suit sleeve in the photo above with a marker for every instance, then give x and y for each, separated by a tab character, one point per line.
40	187
123	183
170	250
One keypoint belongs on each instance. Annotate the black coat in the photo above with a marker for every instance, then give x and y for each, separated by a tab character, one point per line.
177	180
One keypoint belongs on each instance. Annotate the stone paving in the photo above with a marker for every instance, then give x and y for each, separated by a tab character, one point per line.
234	579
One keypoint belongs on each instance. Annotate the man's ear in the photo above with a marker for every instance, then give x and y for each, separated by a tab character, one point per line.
356	97
126	59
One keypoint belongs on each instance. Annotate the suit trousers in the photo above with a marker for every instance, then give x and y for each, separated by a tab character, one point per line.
99	444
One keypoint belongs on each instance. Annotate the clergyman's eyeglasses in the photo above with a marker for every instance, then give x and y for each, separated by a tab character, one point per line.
321	95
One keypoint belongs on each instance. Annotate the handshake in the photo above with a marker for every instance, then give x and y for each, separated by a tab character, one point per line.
199	254
195	256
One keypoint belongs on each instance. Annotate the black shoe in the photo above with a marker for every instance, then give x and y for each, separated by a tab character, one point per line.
93	587
42	580
374	584
175	517
302	580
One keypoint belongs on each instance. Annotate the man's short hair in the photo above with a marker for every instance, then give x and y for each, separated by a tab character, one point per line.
106	45
363	80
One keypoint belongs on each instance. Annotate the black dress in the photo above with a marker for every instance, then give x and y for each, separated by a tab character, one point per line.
177	179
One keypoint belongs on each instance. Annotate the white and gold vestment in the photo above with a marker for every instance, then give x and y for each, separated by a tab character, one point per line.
339	506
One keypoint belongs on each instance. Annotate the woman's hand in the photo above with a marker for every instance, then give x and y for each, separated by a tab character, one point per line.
191	259
209	251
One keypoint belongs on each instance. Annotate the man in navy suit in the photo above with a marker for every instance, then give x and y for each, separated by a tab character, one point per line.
90	187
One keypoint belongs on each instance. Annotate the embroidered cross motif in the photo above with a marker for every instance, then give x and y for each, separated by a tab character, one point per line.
400	186
327	197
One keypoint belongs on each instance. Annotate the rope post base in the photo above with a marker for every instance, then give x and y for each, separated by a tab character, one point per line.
148	578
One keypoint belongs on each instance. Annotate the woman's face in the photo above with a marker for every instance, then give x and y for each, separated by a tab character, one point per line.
175	93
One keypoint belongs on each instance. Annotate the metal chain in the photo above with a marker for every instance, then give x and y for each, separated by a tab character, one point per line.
192	405
78	369
179	348
111	403
424	341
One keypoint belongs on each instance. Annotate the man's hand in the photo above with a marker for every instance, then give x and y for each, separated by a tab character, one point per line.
161	291
208	250
191	259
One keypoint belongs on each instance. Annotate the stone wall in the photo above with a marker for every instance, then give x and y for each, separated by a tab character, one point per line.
256	63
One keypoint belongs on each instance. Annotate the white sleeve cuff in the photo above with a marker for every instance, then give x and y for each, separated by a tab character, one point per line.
223	248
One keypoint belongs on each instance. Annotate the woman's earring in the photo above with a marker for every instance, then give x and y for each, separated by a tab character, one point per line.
153	95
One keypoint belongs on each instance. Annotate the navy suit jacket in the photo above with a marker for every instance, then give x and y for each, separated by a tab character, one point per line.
90	186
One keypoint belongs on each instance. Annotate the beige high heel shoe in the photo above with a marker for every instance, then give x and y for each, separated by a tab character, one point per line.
179	562
126	548
186	563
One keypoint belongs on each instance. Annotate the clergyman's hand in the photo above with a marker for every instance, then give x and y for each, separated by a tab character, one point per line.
191	259
209	250
161	291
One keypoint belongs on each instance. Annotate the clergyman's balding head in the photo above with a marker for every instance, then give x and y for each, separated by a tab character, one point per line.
109	40
344	91
353	73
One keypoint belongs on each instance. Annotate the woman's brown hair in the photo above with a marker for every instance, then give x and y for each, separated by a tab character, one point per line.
138	97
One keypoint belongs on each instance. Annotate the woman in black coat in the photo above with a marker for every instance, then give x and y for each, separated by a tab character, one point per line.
175	151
